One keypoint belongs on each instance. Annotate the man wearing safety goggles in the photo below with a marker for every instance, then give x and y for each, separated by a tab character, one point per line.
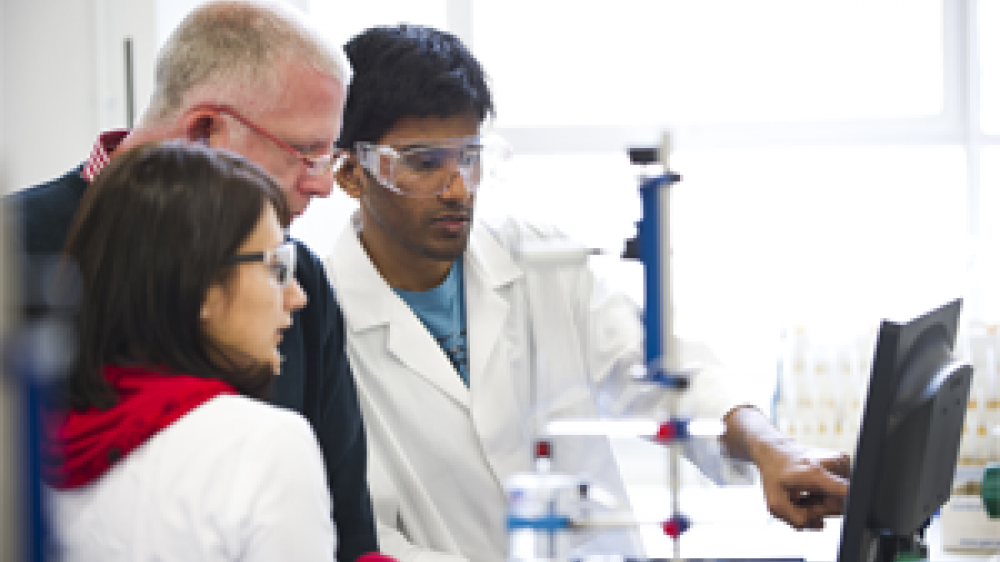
450	336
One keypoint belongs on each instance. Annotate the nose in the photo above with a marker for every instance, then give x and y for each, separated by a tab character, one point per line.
295	297
316	186
456	186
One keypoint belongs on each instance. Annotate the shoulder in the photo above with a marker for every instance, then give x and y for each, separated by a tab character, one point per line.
312	276
511	232
67	188
248	416
525	242
45	211
247	428
308	267
260	443
227	434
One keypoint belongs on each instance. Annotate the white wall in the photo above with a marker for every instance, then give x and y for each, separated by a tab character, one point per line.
63	80
48	88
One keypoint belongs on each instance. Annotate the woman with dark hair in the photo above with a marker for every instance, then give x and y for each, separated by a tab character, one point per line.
163	450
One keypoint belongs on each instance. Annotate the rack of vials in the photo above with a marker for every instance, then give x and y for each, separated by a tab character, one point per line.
823	383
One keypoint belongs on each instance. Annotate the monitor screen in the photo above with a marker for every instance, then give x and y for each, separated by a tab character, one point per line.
907	450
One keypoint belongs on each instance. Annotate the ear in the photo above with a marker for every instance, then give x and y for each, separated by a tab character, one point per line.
214	304
350	177
204	126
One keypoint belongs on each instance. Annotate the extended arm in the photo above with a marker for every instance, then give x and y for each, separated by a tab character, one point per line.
801	486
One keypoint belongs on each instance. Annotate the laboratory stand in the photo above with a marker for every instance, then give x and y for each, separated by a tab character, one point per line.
822	393
545	508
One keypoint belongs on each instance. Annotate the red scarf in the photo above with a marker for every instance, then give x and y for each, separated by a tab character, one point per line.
82	446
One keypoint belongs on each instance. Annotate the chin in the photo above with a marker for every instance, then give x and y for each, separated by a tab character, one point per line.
448	252
445	255
297	203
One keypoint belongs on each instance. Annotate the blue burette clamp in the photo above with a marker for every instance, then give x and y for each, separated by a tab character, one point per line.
652	247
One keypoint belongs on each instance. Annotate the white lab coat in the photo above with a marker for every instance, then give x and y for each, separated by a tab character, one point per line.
233	479
439	452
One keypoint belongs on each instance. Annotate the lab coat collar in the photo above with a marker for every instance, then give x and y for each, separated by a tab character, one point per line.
362	292
489	267
494	267
369	304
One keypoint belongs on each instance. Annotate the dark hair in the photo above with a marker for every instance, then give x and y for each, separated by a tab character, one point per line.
152	234
409	71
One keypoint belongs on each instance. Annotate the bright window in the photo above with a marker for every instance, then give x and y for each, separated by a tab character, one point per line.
656	61
850	212
344	19
771	237
989	64
988	262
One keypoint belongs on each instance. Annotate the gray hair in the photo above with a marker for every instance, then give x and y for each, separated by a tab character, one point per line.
235	52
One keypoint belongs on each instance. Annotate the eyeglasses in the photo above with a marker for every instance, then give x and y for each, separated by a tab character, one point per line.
280	261
426	169
315	165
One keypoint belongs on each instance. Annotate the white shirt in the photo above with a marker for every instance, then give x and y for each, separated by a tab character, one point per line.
234	479
543	344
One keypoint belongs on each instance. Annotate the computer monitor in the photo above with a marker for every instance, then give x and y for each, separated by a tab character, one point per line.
905	460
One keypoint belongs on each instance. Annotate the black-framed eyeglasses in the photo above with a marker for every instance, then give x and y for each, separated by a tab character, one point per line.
280	262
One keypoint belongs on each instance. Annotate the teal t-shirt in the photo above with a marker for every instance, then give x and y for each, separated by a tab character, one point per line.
442	311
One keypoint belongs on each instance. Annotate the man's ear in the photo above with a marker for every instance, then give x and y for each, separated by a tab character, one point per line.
350	177
203	126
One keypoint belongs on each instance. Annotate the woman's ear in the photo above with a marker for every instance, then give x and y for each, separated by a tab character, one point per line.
350	177
213	305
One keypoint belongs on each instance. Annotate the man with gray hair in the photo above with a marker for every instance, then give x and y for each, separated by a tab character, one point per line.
256	79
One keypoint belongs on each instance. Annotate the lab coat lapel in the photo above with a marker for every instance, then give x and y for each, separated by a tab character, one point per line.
374	313
499	374
488	272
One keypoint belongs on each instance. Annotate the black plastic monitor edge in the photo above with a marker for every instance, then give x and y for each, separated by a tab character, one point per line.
861	541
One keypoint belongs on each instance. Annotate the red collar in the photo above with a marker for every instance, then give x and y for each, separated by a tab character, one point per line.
82	445
100	154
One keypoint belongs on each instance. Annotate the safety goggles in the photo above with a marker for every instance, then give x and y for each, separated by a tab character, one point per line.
425	168
280	262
